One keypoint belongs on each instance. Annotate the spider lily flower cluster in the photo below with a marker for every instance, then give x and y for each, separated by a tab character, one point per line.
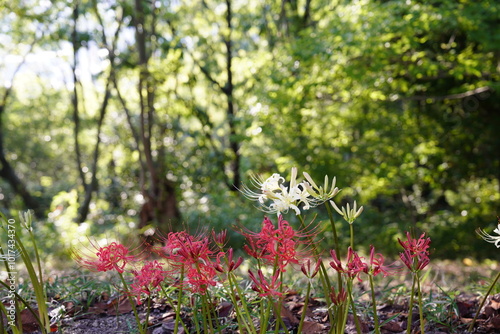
193	271
283	198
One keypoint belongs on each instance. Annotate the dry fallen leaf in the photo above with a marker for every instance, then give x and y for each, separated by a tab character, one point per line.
311	327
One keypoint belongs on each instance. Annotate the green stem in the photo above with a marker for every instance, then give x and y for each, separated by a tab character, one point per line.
37	287
325	281
171	302
483	301
148	310
279	319
195	316
420	305
15	330
243	303
132	304
410	306
206	315
374	305
353	306
334	230
351	230
304	310
179	302
265	319
30	309
335	239
239	316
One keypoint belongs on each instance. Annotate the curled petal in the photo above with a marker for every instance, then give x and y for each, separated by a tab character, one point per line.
490	238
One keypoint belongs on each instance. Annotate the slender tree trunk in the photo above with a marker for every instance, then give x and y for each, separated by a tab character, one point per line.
7	172
229	91
92	186
161	203
9	175
74	99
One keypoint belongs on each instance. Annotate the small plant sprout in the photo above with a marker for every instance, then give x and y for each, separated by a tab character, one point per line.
494	240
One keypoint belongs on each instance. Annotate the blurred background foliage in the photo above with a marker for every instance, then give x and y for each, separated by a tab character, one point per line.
122	116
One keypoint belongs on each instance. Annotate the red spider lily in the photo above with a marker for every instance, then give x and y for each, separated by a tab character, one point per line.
414	262
253	249
263	287
220	238
228	265
308	270
354	264
182	248
416	254
276	246
338	298
376	264
416	245
148	279
114	256
199	279
192	255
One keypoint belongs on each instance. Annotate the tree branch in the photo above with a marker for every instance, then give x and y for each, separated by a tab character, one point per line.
458	96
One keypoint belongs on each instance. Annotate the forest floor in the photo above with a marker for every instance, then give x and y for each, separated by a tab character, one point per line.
452	293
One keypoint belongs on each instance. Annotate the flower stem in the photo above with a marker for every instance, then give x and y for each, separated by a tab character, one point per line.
325	281
410	306
279	319
265	317
483	301
171	302
351	230
420	304
334	230
244	303
243	317
179	300
304	310
132	304
353	306
374	305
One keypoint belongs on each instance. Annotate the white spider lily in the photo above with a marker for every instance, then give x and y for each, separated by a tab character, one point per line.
321	194
348	213
490	238
283	198
267	188
283	203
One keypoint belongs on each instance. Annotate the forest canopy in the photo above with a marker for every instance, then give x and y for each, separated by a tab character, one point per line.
131	115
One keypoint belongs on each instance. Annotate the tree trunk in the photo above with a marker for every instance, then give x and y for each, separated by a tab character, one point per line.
9	175
161	208
229	91
7	171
